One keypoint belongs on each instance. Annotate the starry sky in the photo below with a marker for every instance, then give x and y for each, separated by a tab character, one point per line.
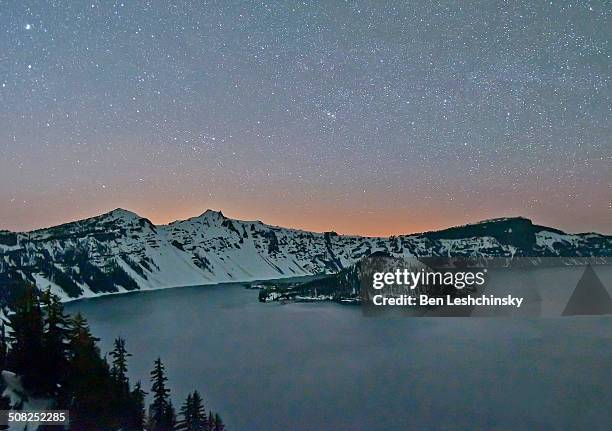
365	117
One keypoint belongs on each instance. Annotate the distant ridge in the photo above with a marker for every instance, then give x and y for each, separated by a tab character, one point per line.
120	251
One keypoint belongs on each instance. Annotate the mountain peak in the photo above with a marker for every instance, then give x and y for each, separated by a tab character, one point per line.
212	214
121	213
497	220
120	210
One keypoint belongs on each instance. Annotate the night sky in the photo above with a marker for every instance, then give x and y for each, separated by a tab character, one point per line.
370	117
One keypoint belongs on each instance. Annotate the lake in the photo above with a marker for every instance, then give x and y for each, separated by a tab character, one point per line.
323	366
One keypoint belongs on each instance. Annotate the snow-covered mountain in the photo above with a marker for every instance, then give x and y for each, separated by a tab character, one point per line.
120	251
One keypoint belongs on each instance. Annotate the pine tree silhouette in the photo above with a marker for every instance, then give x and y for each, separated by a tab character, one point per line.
137	417
186	412
200	421
193	414
161	412
219	426
27	355
90	385
211	421
170	416
119	363
56	345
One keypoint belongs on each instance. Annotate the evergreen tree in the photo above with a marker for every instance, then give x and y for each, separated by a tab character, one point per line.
125	403
160	411
219	426
119	363
169	416
211	421
27	355
138	415
56	343
193	414
200	420
90	386
186	413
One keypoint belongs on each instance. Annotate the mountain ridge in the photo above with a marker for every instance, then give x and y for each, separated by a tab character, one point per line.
212	212
121	251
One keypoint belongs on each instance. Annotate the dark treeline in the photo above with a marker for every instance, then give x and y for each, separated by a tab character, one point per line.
57	358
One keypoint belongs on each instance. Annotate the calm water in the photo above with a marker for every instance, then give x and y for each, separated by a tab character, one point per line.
328	367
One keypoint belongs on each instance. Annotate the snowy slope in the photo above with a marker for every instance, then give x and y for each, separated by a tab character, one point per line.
120	251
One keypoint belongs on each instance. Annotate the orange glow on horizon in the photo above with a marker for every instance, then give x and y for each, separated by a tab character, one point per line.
319	225
373	225
330	216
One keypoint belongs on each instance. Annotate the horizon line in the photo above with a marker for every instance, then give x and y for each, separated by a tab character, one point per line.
493	219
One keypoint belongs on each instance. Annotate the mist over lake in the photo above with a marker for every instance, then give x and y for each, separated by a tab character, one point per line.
306	366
